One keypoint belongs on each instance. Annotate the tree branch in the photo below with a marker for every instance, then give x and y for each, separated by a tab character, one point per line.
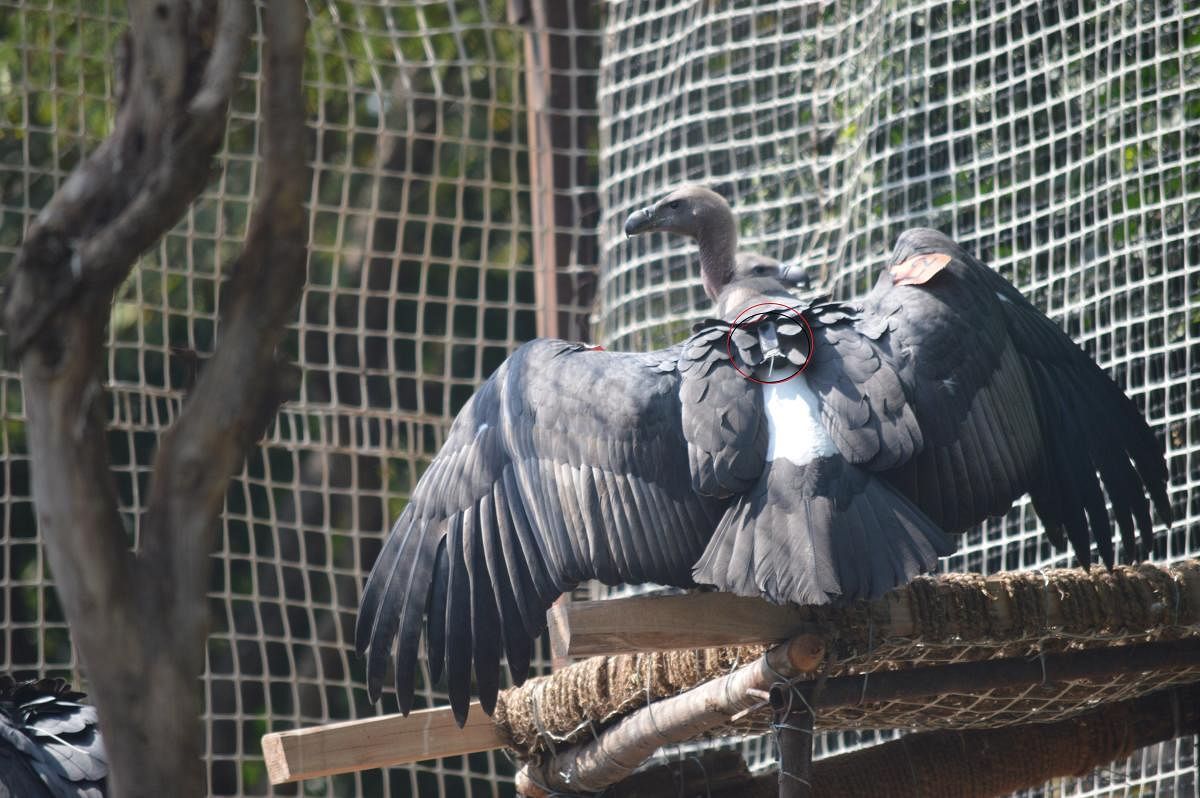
137	184
243	383
150	609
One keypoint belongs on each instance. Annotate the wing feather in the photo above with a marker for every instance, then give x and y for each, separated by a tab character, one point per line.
566	465
485	617
964	396
511	622
435	613
458	625
524	564
410	602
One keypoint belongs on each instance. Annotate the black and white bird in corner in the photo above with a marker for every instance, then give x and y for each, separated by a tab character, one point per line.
50	745
911	415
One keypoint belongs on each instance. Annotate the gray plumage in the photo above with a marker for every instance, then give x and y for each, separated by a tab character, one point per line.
932	404
568	464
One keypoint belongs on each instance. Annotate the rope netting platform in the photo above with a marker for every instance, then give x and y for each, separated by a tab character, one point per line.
934	621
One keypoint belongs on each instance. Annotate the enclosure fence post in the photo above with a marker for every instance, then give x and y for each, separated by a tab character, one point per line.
793	724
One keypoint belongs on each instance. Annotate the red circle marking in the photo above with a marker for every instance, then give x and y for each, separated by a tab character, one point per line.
737	323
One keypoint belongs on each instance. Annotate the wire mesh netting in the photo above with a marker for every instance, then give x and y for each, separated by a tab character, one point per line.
1058	141
420	284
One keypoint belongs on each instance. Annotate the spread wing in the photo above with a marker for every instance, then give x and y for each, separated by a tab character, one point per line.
966	396
722	416
568	464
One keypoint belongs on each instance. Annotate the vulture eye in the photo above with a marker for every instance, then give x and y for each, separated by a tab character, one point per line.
763	270
674	205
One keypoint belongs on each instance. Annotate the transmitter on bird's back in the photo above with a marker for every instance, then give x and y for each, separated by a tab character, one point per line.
769	343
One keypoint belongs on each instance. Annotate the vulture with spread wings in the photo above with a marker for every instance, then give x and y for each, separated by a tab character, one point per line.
804	451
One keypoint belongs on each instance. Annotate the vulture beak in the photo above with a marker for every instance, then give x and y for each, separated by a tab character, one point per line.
639	221
790	274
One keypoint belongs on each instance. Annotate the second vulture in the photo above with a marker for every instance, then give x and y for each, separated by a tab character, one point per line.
804	451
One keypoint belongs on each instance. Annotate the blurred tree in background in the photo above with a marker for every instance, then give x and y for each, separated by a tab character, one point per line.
420	283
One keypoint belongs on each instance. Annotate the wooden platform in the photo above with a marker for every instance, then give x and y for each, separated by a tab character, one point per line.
1130	631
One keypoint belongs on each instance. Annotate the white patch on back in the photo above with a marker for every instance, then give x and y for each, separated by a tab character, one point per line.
1003	298
794	423
482	428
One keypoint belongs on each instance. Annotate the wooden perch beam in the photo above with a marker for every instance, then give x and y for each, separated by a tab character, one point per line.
663	623
668	623
620	749
376	743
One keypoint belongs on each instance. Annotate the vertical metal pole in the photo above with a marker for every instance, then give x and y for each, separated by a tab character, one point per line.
541	160
792	706
561	39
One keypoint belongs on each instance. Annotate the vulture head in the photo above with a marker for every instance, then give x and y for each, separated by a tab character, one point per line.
703	214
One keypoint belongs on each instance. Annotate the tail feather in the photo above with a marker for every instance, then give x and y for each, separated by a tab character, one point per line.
820	532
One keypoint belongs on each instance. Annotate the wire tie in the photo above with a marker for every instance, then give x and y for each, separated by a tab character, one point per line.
649	702
795	778
1178	598
800	694
790	727
862	697
537	719
703	773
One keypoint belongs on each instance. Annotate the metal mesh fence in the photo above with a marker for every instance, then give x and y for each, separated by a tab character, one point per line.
1059	142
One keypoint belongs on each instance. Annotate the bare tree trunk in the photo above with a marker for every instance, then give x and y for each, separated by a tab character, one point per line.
139	620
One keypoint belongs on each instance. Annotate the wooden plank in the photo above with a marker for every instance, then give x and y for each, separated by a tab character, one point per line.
702	620
663	623
384	741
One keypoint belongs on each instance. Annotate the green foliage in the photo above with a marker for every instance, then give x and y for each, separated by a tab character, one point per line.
55	90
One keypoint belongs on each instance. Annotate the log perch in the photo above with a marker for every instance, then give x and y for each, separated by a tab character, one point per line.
976	763
623	747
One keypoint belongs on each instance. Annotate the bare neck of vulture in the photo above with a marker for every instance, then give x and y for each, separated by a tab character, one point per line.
718	248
